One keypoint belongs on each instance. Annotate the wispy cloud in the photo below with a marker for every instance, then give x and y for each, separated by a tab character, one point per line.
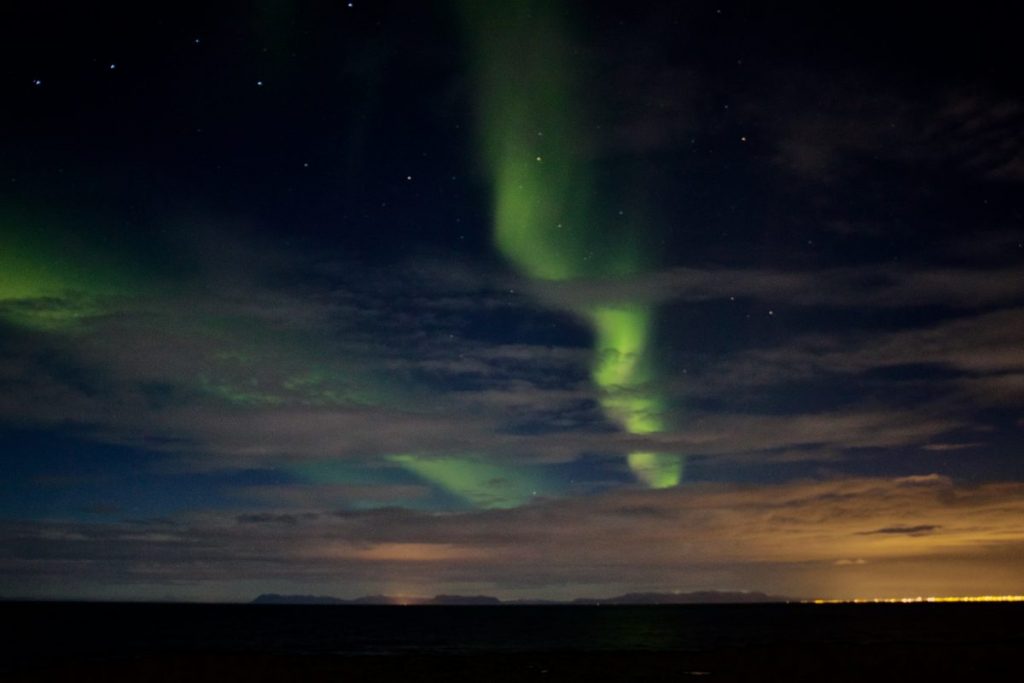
869	286
258	374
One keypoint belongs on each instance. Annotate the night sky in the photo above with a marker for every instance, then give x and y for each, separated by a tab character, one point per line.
529	299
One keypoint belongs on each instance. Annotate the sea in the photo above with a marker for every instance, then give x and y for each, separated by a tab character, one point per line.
133	641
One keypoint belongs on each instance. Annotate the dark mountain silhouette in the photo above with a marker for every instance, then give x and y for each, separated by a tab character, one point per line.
464	600
275	599
692	598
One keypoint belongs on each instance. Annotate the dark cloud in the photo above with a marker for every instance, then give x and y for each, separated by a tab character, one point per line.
844	122
919	530
979	348
269	518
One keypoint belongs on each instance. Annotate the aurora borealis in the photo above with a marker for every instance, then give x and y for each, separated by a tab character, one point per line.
548	218
527	299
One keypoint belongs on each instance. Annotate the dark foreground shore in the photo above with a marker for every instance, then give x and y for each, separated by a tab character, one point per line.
905	662
76	642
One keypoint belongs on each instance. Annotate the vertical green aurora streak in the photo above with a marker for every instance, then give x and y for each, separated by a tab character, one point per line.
534	140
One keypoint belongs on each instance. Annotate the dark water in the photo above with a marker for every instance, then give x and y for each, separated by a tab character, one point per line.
47	632
46	629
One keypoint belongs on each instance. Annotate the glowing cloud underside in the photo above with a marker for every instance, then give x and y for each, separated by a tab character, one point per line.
546	217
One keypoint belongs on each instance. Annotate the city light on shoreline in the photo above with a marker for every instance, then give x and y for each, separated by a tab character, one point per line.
919	599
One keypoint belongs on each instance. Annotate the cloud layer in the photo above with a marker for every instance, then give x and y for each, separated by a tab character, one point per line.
842	538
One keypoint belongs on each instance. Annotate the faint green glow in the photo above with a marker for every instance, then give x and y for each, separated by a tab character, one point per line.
247	394
52	280
258	365
481	484
247	379
547	218
41	287
319	388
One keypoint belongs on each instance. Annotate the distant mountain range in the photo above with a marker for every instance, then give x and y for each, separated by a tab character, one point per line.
693	598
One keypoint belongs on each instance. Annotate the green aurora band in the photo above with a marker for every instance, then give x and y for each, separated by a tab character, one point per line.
544	191
67	282
478	483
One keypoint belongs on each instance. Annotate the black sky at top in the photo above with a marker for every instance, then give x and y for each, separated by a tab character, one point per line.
356	99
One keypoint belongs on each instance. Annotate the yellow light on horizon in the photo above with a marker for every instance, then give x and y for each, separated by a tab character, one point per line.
918	599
